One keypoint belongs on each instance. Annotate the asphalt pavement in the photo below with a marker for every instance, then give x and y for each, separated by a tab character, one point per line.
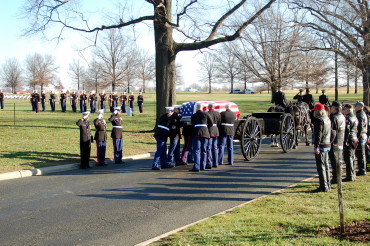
129	204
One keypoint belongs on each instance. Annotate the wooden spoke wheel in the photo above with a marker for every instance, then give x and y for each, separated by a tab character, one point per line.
251	139
287	133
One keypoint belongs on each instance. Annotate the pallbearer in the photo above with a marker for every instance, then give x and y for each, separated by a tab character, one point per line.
73	101
140	102
43	100
2	99
100	137
175	136
226	136
161	135
116	135
201	122
85	139
52	99
63	101
212	160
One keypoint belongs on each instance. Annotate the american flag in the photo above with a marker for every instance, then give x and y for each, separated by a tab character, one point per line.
189	108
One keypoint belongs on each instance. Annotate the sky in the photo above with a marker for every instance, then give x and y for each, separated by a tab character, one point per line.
13	44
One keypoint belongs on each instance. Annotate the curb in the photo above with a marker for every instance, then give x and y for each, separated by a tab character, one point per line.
164	235
59	168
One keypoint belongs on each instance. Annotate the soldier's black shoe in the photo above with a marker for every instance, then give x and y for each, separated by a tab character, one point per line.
208	167
194	170
182	164
169	166
214	166
360	174
347	180
156	168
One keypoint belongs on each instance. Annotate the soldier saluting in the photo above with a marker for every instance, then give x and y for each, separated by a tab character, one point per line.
299	96
123	99
73	101
116	135
85	139
100	137
63	101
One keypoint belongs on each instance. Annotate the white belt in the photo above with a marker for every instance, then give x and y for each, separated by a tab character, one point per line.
163	127
226	124
214	124
201	125
117	126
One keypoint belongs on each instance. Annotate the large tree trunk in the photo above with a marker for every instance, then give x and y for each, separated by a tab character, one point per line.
336	79
164	60
366	82
209	85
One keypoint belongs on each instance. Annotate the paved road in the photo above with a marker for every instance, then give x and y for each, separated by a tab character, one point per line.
126	205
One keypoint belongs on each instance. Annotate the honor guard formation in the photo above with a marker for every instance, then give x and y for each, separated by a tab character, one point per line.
339	132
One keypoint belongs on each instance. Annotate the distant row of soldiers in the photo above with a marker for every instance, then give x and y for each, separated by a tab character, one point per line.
281	100
93	100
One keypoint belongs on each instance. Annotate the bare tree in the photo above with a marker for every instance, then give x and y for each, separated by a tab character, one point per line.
11	74
77	72
130	70
41	70
208	69
111	55
145	69
202	24
348	23
94	76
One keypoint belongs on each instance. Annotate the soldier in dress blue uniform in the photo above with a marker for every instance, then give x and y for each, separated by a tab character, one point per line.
201	122
279	98
226	136
73	101
63	101
140	102
92	101
161	135
116	135
102	99
308	98
100	137
212	160
123	99
43	101
362	137
36	100
324	99
52	99
131	100
2	99
32	100
85	139
83	100
299	96
187	131
175	136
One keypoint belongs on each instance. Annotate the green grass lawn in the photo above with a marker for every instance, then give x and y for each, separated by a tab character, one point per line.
52	138
290	217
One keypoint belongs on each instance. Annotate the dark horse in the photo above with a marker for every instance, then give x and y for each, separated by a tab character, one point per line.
302	120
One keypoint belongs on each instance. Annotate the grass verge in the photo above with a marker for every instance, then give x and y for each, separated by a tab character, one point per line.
292	216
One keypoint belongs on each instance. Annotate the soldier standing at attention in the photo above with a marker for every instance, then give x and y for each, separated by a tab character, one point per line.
175	136
110	102
362	137
321	142
63	101
32	100
116	135
100	138
73	101
350	142
102	98
226	136
131	100
83	100
52	99
324	99
85	140
140	102
308	98
338	125
92	101
123	99
280	98
2	99
36	100
212	160
299	96
201	122
43	101
161	134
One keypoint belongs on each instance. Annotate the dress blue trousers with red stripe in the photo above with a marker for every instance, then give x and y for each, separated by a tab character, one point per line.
186	155
174	152
118	146
160	157
199	152
212	154
226	141
101	147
